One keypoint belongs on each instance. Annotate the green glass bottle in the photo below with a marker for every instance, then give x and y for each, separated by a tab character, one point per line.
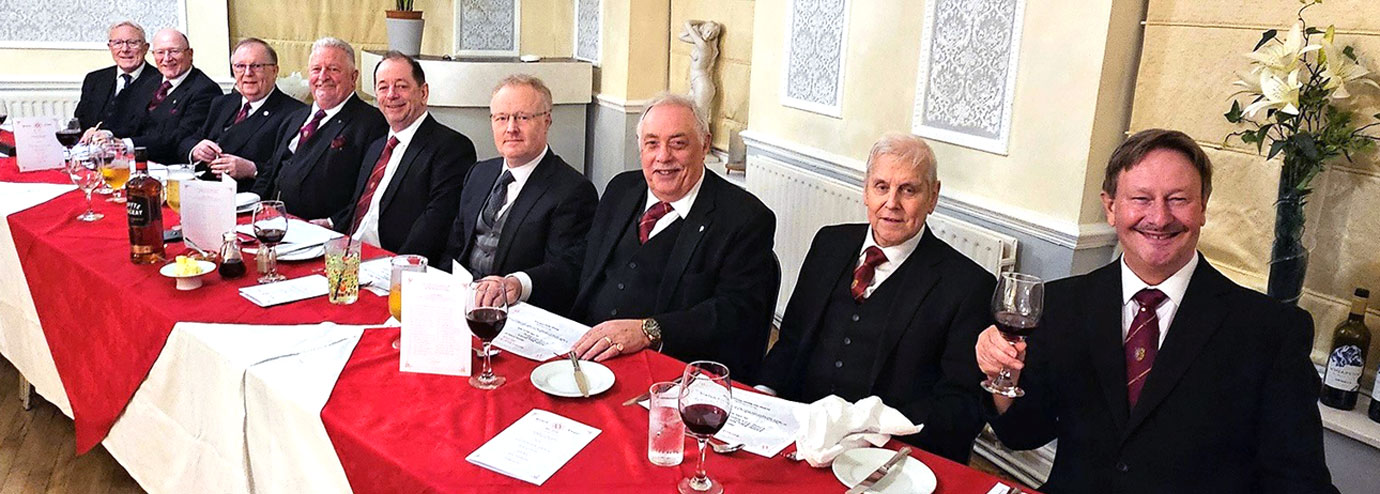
1350	342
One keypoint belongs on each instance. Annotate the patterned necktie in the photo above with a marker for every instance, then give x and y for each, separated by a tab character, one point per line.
1142	342
649	219
243	114
128	80
497	198
376	176
862	276
310	127
159	96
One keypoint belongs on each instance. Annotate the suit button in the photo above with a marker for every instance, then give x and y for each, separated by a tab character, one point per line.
838	364
847	341
613	312
620	286
632	265
856	318
1121	467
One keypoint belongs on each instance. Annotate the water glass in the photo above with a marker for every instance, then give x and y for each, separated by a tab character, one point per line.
342	270
665	431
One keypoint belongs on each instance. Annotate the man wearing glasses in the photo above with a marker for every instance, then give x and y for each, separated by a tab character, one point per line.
106	93
173	109
524	214
241	130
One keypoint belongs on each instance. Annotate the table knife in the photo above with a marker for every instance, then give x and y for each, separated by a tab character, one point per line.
579	376
646	395
880	473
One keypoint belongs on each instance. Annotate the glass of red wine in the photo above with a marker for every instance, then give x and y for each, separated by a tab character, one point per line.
270	226
69	135
706	399
1016	306
486	311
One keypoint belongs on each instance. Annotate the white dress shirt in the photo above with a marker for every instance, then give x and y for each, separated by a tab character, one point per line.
521	174
254	106
133	76
330	113
1174	288
680	208
369	226
895	256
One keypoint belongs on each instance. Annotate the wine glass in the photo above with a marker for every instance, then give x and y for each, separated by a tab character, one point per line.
270	226
115	172
406	262
486	311
85	171
69	135
1016	306
706	399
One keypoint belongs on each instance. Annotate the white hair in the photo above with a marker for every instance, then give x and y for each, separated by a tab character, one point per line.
337	43
671	99
142	37
908	148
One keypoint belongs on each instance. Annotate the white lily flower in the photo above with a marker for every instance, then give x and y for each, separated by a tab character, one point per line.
1284	56
1281	93
1249	82
1340	69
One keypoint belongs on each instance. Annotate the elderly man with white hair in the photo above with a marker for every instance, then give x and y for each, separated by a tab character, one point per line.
107	94
888	309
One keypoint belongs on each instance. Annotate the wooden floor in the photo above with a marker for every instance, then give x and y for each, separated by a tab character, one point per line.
38	449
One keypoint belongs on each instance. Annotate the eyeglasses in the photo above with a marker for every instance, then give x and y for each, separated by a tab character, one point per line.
169	51
256	67
522	118
132	43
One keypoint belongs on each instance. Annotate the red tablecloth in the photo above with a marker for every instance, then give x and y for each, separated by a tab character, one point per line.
106	319
405	432
9	168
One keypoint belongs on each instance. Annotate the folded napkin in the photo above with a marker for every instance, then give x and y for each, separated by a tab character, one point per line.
830	426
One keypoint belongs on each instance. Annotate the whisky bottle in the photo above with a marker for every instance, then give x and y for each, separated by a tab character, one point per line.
145	210
1350	342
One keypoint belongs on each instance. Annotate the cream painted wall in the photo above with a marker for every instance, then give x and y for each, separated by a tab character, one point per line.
733	71
1054	149
548	27
634	41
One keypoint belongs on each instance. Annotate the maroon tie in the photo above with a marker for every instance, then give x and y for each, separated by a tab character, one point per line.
376	176
310	127
862	276
243	114
649	219
1142	342
159	96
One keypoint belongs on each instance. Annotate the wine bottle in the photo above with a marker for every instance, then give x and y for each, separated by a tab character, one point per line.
145	210
1374	411
1350	342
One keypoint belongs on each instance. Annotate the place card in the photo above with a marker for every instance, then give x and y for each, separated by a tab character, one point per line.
36	144
282	292
208	211
534	447
436	339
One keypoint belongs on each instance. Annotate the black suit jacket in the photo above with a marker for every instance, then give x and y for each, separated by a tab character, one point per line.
254	138
924	365
181	114
318	179
422	198
100	104
544	235
1230	405
718	292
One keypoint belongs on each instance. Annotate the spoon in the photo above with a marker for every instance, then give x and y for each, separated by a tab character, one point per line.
723	448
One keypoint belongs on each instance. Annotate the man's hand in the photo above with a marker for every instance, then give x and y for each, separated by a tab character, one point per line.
994	353
96	136
491	289
610	339
206	150
235	166
512	288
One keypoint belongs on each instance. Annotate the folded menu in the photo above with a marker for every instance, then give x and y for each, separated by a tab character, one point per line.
282	292
534	447
538	334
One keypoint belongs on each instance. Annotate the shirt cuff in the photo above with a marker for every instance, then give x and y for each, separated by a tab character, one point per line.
526	282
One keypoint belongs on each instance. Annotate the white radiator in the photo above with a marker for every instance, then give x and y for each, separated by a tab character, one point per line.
40	99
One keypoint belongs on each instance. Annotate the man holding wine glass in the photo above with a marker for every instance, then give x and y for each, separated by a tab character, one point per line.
1156	373
106	94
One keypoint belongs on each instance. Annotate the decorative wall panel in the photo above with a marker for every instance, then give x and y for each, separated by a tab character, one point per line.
487	27
967	73
588	29
815	43
81	24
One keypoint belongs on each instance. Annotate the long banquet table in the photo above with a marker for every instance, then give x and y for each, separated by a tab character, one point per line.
203	391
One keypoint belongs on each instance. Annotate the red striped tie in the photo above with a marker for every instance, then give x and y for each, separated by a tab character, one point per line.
376	176
862	276
159	96
649	219
1142	342
243	114
310	127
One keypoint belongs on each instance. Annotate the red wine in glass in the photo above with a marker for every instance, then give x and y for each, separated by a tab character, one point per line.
486	322
1014	326
271	236
703	419
68	137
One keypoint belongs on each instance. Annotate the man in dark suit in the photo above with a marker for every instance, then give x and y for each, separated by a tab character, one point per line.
525	214
317	159
240	132
679	259
176	107
1156	373
408	191
105	93
888	309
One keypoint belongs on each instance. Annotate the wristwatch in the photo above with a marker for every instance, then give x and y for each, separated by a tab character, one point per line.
652	329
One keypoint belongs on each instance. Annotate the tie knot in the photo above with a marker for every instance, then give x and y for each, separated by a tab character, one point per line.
658	210
873	256
392	143
127	78
505	179
320	114
166	85
1150	298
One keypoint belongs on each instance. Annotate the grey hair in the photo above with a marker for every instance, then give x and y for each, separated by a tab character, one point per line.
908	148
528	80
337	43
672	99
137	27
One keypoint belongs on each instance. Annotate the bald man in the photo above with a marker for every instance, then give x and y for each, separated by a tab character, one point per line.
176	107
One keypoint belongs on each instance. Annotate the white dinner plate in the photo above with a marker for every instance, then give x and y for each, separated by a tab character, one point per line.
245	201
909	477
189	281
557	377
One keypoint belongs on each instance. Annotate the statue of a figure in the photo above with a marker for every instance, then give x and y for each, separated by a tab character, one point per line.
705	36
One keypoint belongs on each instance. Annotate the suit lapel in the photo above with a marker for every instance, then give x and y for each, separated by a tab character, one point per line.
415	148
916	284
626	210
1102	331
537	184
484	177
700	219
309	153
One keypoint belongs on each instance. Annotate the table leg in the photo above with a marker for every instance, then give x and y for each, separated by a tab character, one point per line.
26	392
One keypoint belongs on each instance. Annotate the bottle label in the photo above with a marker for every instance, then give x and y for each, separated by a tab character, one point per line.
1344	368
139	210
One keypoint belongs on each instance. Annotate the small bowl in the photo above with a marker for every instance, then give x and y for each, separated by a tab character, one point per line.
191	281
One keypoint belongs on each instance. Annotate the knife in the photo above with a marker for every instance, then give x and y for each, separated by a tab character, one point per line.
880	473
579	376
646	395
299	247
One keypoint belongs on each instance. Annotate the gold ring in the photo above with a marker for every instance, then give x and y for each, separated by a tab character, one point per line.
609	341
619	347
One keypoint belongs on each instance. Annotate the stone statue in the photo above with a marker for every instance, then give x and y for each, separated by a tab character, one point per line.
705	36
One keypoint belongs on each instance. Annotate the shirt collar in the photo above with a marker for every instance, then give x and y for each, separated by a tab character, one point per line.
405	136
254	105
521	172
1174	287
680	206
134	75
330	112
897	253
174	82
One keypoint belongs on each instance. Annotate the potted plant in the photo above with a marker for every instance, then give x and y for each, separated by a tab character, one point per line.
1298	107
405	28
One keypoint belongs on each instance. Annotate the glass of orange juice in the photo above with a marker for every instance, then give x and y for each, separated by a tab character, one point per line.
115	172
401	264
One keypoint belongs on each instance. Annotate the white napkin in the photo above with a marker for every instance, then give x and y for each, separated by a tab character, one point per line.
830	426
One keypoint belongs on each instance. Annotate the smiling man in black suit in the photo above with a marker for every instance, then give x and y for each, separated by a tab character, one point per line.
176	107
888	309
524	215
106	93
240	132
1156	373
408	191
317	159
